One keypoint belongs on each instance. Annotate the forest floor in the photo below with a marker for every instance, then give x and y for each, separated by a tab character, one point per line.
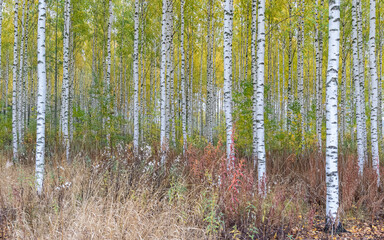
356	229
100	199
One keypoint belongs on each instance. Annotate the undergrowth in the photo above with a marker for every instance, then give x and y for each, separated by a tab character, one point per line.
115	196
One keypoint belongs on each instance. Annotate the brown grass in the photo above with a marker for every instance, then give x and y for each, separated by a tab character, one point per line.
94	206
118	197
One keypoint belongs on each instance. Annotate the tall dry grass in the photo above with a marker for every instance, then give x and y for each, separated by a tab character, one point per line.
114	196
95	201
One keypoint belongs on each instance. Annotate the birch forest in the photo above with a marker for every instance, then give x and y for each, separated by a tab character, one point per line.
191	119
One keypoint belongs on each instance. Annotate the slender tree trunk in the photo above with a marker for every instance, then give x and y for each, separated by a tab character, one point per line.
332	175
56	61
65	85
362	77
300	69
356	76
71	82
290	60
14	85
374	90
262	174
108	76
254	81
319	72
142	75
209	75
41	96
163	117
21	84
168	70
170	78
25	74
182	78
136	81
228	35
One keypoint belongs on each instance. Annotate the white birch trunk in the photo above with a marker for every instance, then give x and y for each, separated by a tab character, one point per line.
163	117
25	119
21	84
228	35
300	69
262	174
136	81
182	78
41	97
374	90
170	76
108	76
254	81
319	79
332	175
356	76
289	86
14	84
362	77
65	85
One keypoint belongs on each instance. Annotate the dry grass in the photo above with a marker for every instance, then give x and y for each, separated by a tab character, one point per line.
94	206
115	197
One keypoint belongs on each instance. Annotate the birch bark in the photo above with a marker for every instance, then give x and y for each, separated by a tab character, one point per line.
356	76
65	85
21	84
14	85
254	81
319	71
260	97
163	117
228	28
182	78
41	97
332	175
374	93
136	81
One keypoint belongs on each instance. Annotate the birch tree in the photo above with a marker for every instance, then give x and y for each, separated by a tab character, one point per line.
182	77
65	85
20	83
170	75
332	175
108	73
14	84
209	108
163	117
136	80
362	77
300	68
228	27
41	97
359	119
319	72
254	81
374	93
260	96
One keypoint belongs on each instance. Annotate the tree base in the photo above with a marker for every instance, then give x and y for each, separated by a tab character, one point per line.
332	228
